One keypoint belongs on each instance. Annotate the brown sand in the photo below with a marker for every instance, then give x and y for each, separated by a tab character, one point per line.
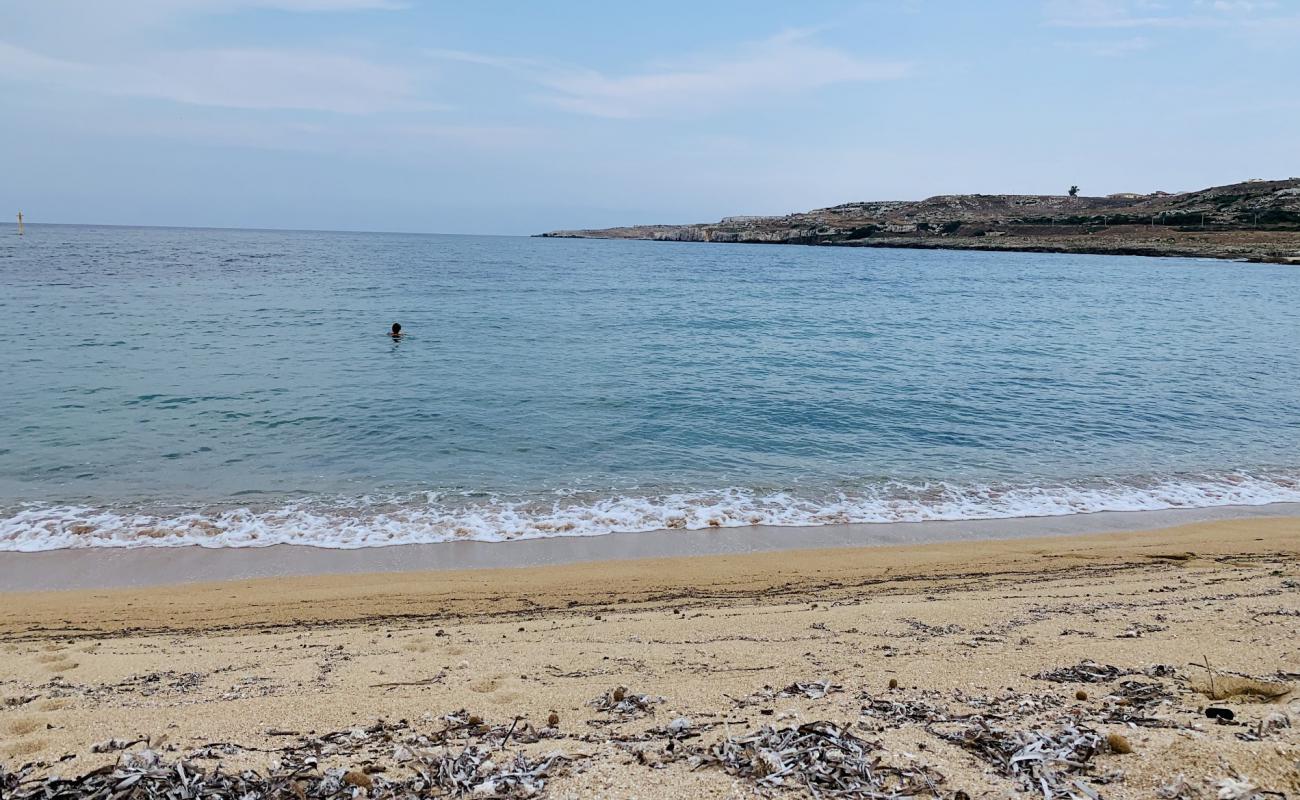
960	626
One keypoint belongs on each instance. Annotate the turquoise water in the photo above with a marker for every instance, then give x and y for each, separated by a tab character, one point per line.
227	388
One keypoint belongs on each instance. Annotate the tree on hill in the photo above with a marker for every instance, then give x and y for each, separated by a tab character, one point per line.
1074	191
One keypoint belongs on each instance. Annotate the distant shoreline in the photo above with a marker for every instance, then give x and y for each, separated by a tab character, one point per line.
1255	221
1039	246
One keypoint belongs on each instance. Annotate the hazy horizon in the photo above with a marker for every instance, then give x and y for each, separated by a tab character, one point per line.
388	116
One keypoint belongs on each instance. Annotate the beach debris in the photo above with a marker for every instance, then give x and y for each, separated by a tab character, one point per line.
1081	695
553	719
1009	704
1179	789
460	759
1131	702
457	772
925	632
1221	714
893	683
1136	630
1041	761
112	745
819	758
1118	743
903	710
622	703
1235	787
1273	723
1083	672
1140	694
813	690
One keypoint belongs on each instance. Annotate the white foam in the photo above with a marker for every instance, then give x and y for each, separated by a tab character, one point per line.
366	522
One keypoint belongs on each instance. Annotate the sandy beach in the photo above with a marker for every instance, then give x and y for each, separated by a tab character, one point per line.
939	661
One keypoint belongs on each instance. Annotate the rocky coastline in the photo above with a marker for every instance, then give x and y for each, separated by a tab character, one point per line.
1252	221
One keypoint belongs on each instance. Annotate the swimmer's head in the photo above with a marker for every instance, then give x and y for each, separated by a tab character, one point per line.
397	328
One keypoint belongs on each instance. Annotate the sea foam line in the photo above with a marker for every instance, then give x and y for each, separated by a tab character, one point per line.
348	524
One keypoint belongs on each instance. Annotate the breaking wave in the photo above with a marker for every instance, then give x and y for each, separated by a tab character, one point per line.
425	518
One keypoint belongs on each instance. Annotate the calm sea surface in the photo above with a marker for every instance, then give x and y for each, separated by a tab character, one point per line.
228	388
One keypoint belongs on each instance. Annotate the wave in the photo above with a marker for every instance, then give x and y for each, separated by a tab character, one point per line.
367	522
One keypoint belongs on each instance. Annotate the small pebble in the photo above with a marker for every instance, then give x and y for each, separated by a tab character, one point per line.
893	683
553	720
1081	695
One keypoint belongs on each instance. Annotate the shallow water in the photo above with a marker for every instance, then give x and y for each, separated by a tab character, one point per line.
168	386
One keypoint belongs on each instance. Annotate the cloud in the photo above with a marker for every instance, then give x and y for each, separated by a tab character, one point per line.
775	68
231	78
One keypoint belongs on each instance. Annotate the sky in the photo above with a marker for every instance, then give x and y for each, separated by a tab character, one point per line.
487	116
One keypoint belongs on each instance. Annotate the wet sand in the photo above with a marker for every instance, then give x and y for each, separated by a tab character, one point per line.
116	567
970	629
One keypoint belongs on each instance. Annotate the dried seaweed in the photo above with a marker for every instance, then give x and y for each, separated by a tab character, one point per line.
1042	761
619	702
449	768
1129	703
820	758
904	710
144	775
812	690
1084	672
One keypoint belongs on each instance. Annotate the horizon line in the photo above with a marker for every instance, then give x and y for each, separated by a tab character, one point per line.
26	223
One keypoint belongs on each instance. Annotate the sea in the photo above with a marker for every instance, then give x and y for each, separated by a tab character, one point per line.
238	388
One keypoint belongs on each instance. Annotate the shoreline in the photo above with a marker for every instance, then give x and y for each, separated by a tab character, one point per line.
1222	222
911	648
105	568
1044	246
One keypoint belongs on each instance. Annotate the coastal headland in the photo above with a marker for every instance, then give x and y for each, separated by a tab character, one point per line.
1254	220
1081	666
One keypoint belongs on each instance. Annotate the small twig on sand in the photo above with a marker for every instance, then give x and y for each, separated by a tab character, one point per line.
506	738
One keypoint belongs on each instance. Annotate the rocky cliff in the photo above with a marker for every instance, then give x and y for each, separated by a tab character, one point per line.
1254	219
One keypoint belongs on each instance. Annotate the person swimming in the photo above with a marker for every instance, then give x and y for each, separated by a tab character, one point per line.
397	331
